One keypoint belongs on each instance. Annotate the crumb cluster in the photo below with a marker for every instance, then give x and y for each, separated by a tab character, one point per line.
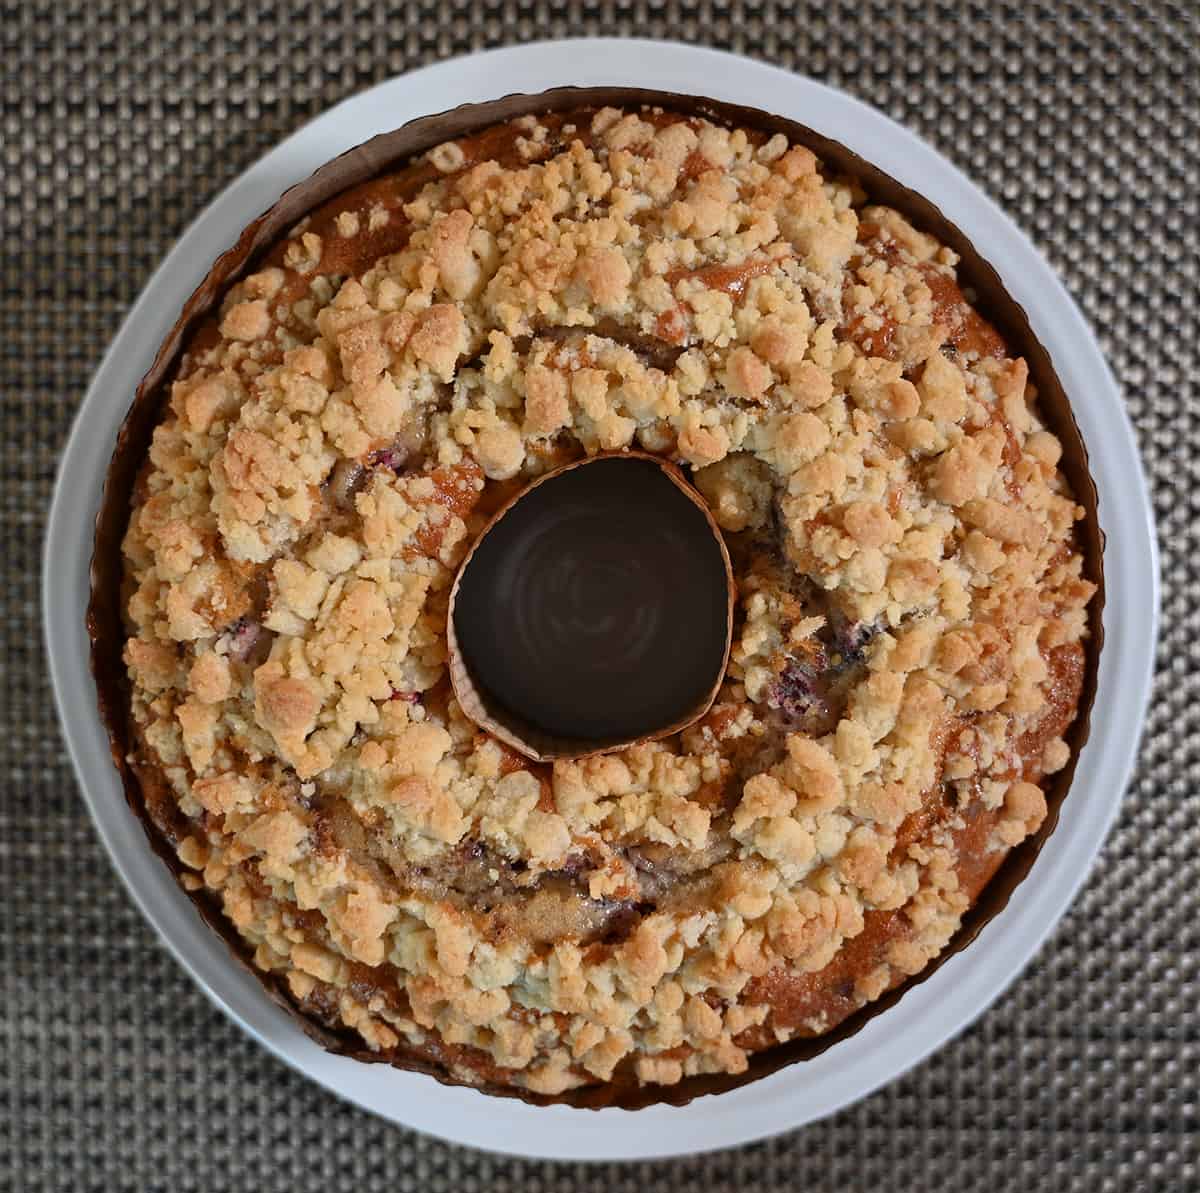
907	654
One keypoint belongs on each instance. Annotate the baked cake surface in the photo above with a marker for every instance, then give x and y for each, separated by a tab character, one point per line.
909	646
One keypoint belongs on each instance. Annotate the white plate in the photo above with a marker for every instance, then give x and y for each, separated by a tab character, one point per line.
930	1013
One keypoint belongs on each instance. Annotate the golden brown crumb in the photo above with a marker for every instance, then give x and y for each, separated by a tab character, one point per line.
911	601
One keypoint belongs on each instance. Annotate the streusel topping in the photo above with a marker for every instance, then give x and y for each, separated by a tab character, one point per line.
911	603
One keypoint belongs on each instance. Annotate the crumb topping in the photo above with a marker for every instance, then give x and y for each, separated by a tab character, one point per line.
907	653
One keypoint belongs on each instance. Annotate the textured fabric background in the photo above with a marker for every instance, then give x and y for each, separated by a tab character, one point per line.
121	120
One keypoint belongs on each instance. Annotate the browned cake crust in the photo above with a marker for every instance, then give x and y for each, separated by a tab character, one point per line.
908	655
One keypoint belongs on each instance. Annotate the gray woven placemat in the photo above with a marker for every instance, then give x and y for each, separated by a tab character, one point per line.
121	120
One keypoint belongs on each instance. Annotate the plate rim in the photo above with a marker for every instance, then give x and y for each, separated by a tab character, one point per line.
790	1097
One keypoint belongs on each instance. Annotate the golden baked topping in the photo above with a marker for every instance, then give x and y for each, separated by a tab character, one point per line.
907	651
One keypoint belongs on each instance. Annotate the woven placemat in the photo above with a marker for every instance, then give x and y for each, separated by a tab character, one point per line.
121	120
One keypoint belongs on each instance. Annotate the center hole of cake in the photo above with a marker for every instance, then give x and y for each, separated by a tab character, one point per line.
596	607
606	602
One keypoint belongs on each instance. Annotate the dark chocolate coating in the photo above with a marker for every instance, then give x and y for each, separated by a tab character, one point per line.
596	607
